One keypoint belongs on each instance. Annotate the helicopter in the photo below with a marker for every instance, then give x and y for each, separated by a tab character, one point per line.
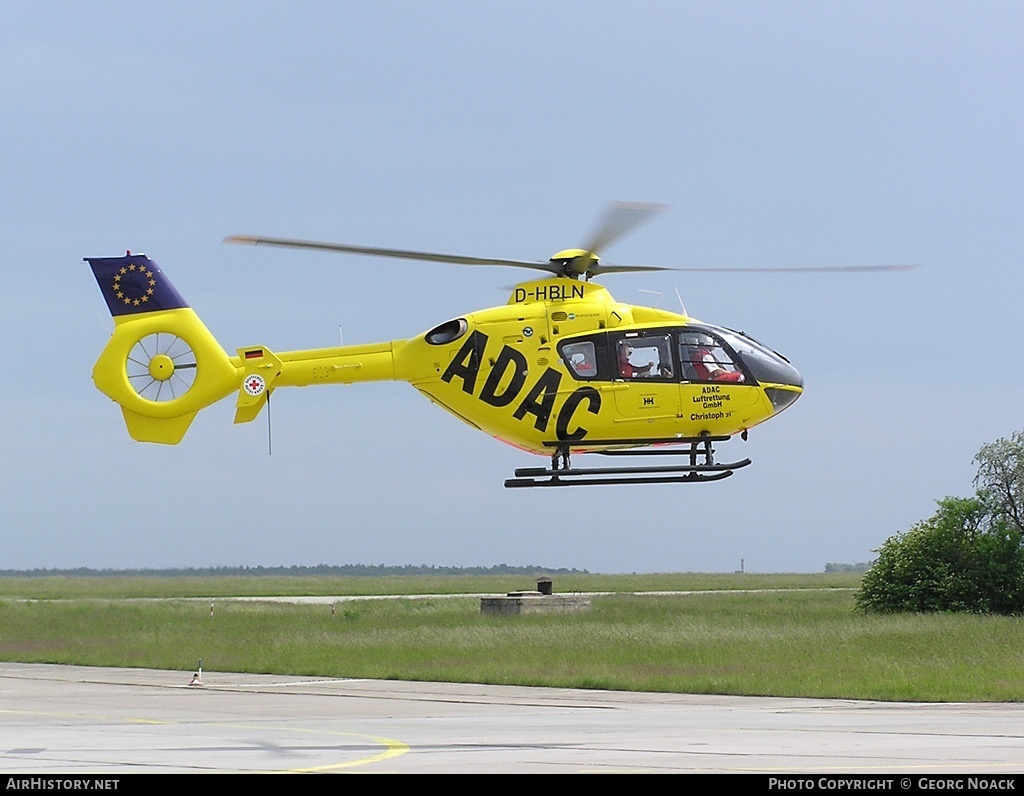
561	369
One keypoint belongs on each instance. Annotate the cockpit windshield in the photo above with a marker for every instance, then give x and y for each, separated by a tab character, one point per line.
764	364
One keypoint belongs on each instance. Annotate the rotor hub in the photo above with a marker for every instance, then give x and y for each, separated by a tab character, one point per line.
161	367
574	263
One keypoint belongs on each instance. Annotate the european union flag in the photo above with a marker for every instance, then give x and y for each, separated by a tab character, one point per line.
133	284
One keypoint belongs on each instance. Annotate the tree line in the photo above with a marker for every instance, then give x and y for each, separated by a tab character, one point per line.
358	570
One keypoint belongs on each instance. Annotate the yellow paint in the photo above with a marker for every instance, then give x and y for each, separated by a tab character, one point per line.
504	372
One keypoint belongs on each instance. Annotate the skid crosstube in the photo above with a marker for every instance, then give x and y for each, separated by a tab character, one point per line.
698	466
597	476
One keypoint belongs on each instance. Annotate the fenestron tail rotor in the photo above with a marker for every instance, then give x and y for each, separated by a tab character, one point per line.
161	367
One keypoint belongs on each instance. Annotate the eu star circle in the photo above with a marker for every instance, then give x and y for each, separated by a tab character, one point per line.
134	285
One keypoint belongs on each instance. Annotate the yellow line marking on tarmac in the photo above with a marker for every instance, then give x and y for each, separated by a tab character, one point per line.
394	749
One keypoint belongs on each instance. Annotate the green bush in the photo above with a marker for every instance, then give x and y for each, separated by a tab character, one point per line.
967	557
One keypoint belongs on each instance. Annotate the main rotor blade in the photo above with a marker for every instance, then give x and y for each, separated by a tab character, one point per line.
620	218
839	269
596	269
401	254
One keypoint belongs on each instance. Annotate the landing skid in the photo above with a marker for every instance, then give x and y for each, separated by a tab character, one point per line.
700	467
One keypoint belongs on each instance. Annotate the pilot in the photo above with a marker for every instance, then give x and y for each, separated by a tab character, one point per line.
626	368
706	366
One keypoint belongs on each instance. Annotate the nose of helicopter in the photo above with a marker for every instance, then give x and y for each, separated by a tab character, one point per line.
787	387
783	383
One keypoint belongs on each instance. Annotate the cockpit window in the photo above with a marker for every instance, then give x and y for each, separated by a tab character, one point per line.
639	356
447	332
704	358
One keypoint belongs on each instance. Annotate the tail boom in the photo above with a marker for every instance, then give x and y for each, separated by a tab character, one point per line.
264	371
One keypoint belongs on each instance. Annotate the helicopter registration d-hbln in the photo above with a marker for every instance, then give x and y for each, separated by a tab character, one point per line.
562	368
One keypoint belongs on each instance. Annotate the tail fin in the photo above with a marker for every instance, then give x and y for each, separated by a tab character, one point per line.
161	365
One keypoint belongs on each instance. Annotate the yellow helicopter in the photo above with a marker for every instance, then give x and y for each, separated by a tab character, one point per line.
561	368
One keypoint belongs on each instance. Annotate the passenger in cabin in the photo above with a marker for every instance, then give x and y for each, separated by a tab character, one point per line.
582	366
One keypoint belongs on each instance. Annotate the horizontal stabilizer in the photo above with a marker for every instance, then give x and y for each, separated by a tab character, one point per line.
260	368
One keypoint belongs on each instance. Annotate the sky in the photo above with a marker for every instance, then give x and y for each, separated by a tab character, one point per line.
778	134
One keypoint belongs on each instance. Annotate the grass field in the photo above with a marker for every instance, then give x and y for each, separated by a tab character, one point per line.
59	587
803	640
